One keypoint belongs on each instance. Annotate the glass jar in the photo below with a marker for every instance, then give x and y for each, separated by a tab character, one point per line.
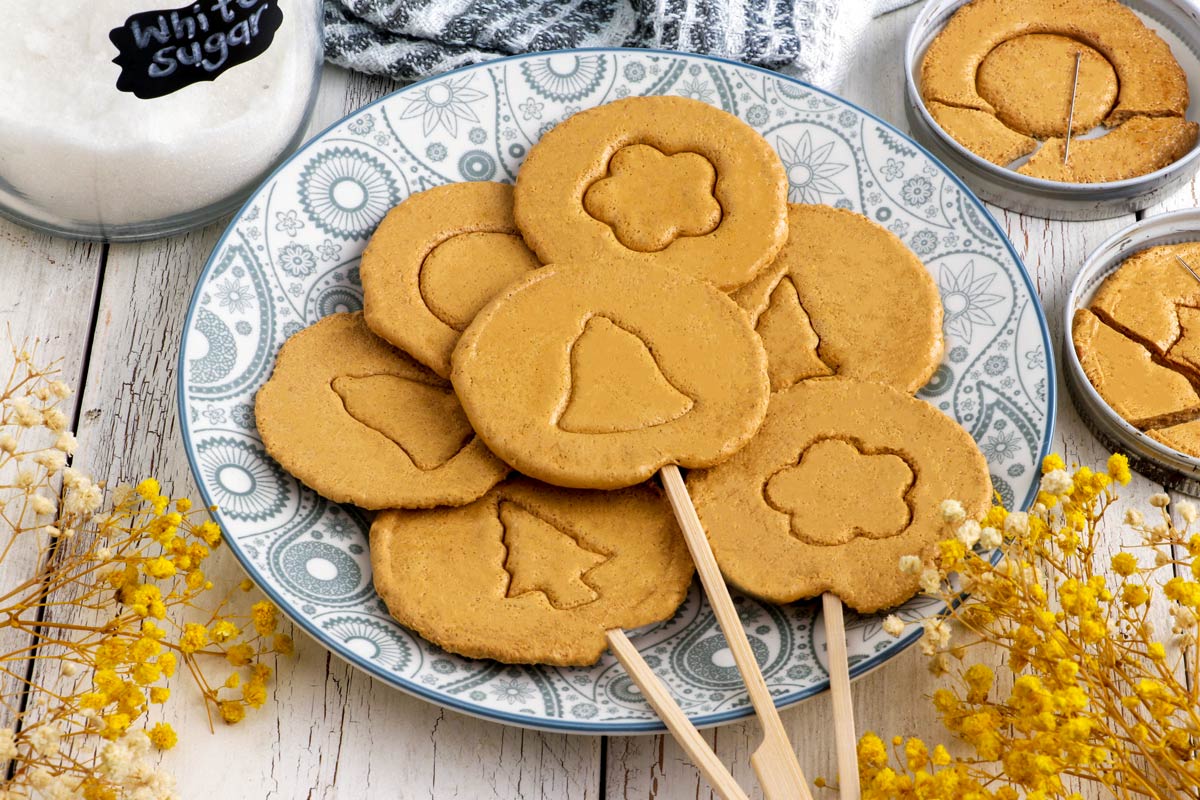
122	119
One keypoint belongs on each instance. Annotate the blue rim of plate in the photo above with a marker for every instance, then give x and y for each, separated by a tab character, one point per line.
615	728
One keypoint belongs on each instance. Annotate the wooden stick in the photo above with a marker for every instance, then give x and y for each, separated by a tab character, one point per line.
774	761
843	707
676	720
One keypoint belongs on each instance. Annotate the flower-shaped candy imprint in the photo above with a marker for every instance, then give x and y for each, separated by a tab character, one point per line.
844	478
535	574
845	297
655	180
435	260
360	422
595	376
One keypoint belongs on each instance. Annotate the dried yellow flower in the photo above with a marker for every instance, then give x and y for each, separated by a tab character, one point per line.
232	711
1091	693
265	617
162	736
1124	564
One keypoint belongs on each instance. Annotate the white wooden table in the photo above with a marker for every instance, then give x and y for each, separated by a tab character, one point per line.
114	314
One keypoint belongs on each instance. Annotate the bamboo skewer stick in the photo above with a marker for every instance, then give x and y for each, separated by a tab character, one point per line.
843	705
674	718
774	762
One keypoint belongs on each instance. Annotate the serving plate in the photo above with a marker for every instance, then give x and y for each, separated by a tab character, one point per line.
290	256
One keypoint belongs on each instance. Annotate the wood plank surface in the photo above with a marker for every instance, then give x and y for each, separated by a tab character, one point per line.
47	297
330	731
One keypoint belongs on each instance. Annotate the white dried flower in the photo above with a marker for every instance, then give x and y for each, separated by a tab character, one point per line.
939	665
25	479
1039	509
936	638
41	505
1161	559
8	443
1133	517
51	460
70	669
162	785
45	739
122	494
910	565
137	742
990	538
24	415
968	533
115	761
931	581
40	779
1057	482
52	531
8	744
953	512
73	477
1160	500
61	788
1017	524
1184	618
55	419
60	389
83	498
66	442
893	626
104	553
1187	510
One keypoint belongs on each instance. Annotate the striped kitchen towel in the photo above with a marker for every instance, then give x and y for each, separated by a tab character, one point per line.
410	39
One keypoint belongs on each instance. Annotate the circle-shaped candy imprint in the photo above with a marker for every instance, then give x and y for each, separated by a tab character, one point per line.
655	180
360	422
435	260
844	478
1029	81
536	574
595	378
845	297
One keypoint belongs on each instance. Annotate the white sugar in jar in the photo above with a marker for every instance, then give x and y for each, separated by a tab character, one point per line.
130	119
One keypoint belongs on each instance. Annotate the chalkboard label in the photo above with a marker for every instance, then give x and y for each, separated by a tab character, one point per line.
163	51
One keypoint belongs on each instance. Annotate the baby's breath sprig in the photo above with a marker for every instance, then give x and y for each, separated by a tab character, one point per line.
1090	691
111	603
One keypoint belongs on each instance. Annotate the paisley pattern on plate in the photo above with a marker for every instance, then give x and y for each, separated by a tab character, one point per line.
291	256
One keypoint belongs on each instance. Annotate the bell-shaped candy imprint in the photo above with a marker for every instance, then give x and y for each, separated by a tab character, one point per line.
593	377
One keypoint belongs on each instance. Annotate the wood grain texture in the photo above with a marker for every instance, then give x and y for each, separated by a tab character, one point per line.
699	752
49	287
332	732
